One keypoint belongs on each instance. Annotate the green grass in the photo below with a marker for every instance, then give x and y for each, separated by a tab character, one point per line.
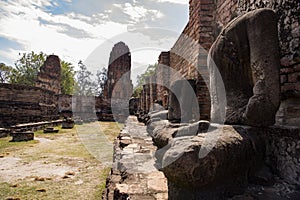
7	146
111	129
24	191
101	187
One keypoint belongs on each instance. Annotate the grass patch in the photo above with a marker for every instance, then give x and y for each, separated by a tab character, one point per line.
7	146
111	129
52	136
101	187
24	191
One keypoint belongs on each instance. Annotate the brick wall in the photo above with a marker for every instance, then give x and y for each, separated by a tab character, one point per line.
24	104
191	49
163	78
226	10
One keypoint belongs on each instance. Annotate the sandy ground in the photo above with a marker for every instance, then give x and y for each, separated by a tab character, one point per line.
13	168
61	166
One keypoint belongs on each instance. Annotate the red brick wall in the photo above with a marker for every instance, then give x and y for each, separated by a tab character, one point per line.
226	10
26	104
163	78
184	56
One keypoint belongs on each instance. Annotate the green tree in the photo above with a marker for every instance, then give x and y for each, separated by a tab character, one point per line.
67	78
101	78
27	68
141	79
5	72
84	85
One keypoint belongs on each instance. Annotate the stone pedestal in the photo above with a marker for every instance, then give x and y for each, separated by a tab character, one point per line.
68	124
22	136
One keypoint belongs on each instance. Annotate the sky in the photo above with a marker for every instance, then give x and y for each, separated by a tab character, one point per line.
87	29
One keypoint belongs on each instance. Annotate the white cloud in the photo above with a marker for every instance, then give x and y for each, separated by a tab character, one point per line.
9	55
74	35
35	29
138	13
175	1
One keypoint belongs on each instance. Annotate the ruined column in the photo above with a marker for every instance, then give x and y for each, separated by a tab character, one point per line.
119	70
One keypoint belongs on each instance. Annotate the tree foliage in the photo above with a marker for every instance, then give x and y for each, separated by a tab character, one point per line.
67	78
78	82
85	85
141	79
27	68
101	78
5	72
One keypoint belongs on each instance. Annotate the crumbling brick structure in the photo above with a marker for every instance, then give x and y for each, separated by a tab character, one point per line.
119	70
49	77
118	87
116	94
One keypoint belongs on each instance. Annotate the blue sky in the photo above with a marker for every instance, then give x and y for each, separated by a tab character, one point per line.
87	29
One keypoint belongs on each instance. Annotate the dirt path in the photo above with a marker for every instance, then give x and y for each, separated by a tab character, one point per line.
66	165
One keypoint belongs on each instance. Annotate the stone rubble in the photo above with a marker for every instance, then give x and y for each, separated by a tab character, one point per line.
134	175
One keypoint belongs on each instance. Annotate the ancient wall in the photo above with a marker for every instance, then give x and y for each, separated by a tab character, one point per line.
226	10
65	105
282	152
147	93
189	53
24	104
84	108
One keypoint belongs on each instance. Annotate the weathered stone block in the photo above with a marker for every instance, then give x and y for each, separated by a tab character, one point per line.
68	124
